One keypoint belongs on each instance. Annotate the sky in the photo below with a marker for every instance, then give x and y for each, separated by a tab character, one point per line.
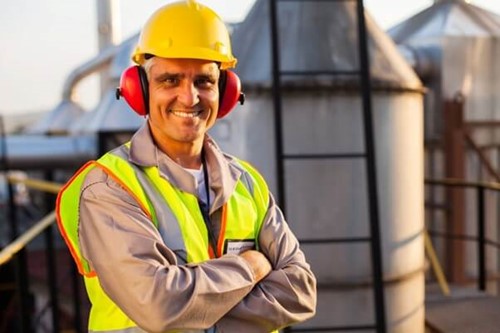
43	41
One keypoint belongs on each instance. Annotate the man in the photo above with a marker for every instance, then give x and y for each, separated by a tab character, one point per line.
170	233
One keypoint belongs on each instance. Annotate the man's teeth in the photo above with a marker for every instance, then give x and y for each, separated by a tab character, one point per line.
190	114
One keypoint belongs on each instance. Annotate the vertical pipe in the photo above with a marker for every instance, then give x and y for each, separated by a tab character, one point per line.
497	214
369	139
21	270
52	277
481	234
108	31
454	154
276	90
51	261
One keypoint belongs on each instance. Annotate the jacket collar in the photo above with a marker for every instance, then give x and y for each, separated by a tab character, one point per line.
222	173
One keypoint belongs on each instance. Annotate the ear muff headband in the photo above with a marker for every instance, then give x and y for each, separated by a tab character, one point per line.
145	88
134	88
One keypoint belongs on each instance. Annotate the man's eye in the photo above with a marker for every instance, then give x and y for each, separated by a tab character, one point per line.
170	80
204	82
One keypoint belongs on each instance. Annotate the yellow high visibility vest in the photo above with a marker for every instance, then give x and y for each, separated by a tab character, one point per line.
169	209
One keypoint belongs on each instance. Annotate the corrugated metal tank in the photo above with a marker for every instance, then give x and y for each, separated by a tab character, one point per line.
327	198
460	43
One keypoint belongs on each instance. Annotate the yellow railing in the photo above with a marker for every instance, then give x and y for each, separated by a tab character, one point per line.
36	184
436	266
20	242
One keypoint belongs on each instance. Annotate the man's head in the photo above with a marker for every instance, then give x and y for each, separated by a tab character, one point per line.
181	30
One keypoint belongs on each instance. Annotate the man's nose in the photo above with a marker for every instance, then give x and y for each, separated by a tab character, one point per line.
188	94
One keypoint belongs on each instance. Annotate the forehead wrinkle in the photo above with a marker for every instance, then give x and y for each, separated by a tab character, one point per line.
210	74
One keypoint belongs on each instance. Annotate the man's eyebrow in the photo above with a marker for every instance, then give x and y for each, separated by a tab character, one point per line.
163	76
209	76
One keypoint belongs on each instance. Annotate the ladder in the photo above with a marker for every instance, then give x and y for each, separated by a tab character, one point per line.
363	74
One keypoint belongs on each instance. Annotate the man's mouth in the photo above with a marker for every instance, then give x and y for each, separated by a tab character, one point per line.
187	114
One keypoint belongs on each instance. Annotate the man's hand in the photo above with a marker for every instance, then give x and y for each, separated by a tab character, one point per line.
258	262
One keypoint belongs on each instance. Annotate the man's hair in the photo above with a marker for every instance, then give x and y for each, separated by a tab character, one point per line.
147	66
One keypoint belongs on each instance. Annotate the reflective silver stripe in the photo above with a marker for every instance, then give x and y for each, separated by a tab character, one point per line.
167	222
246	178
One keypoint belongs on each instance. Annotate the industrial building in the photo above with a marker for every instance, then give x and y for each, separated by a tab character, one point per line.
382	148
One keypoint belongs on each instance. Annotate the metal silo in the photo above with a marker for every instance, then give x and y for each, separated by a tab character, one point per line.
454	47
327	198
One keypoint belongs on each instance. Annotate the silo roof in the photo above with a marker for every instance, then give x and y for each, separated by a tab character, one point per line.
316	36
447	18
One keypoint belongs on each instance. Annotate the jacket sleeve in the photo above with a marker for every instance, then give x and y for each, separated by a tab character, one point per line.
287	295
140	274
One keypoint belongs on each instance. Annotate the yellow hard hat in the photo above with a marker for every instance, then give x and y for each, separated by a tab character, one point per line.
185	29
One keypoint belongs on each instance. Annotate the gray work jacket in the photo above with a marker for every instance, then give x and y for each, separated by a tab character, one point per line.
141	275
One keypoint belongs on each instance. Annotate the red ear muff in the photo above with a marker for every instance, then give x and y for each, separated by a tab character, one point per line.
134	89
230	92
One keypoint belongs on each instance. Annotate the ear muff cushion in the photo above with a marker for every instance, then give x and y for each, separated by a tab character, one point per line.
134	89
230	91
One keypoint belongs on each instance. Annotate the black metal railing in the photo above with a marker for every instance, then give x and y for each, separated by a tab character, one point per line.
480	238
21	313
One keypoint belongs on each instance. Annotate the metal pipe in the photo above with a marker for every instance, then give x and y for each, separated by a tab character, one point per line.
20	242
47	152
51	259
103	59
108	23
108	27
37	184
108	32
481	234
52	277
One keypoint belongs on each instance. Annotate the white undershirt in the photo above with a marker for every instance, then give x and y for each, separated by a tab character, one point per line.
200	181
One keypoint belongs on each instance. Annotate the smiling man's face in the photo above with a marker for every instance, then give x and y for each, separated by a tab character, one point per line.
184	99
